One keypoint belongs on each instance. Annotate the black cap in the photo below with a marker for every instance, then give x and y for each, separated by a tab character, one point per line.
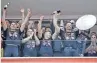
58	11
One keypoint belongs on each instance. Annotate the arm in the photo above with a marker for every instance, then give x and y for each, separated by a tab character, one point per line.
4	24
57	28
62	25
36	38
85	35
31	24
26	39
52	26
40	27
25	21
23	16
87	49
96	48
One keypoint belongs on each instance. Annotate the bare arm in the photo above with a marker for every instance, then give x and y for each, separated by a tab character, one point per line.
36	38
87	49
62	25
25	21
91	48
57	28
40	27
4	24
23	16
31	24
27	39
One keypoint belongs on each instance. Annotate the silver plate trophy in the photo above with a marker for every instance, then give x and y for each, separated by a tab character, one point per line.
86	22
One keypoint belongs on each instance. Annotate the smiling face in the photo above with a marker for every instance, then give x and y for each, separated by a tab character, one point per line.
68	26
47	35
29	32
13	26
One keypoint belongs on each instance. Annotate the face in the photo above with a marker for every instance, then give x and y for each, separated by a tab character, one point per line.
68	26
13	26
43	30
29	32
47	35
93	38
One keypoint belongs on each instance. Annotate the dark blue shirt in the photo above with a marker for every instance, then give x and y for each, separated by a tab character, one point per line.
13	38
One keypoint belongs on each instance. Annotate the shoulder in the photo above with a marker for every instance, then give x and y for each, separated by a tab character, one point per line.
19	31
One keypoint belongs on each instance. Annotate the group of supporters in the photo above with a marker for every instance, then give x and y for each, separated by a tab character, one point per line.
23	39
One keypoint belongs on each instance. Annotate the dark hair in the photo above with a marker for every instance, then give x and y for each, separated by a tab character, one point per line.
67	22
31	29
58	11
26	32
93	33
47	26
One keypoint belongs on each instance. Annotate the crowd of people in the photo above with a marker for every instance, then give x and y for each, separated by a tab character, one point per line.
24	39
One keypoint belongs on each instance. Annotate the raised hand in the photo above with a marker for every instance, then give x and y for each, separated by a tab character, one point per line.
34	31
41	18
22	10
56	13
29	12
4	11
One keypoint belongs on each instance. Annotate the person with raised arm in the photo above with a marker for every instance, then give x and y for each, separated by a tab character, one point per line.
57	43
67	36
30	44
46	37
13	35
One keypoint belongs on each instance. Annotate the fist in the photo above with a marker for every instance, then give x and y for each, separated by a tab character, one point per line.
4	10
56	13
42	17
29	12
22	10
72	21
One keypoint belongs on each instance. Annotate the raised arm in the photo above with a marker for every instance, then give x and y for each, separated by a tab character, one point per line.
85	35
23	16
57	28
91	48
28	38
40	27
62	25
36	38
25	21
31	24
4	24
88	49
